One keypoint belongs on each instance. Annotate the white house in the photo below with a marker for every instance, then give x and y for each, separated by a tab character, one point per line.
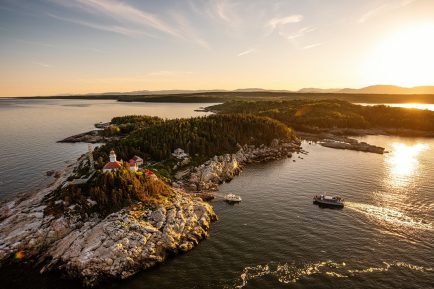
179	154
138	160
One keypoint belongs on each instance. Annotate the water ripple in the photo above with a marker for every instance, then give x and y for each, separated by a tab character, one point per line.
390	216
286	273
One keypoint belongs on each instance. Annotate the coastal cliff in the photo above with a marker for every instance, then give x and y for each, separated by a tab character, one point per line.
224	168
97	248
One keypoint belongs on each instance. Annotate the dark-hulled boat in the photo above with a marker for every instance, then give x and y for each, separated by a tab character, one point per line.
329	201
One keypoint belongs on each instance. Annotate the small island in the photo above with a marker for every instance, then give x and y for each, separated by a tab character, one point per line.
106	218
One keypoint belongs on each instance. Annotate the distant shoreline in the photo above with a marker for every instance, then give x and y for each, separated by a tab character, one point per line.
214	97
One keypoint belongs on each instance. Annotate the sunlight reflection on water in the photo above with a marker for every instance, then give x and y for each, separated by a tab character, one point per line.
403	163
394	208
423	106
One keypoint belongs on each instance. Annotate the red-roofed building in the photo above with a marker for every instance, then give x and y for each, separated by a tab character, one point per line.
150	174
113	164
138	160
133	165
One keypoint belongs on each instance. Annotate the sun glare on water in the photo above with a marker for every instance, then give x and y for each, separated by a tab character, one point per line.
404	58
403	162
393	208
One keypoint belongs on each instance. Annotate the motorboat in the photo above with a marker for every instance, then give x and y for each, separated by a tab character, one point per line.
102	125
328	201
231	198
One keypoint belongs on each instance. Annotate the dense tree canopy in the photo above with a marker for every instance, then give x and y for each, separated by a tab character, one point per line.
308	114
203	137
127	124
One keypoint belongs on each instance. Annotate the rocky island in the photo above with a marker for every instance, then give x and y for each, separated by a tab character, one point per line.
98	221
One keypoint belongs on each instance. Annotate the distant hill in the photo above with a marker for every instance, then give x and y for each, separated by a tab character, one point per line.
319	90
391	89
374	89
156	92
178	91
260	90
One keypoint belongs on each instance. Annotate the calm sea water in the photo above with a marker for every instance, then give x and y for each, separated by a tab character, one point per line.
405	105
276	237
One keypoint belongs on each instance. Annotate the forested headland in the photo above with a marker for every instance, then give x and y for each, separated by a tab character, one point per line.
201	137
309	115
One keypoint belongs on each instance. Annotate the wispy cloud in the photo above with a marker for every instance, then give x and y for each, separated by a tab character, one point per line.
221	9
127	13
300	33
310	46
282	21
225	10
46	65
122	18
109	28
246	52
392	5
188	30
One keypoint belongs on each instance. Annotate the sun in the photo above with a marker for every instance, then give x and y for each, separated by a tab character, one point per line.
404	58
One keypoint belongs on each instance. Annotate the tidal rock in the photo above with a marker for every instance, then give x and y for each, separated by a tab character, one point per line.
353	145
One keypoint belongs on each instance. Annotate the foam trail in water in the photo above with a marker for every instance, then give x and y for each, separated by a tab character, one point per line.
290	273
390	216
286	272
387	267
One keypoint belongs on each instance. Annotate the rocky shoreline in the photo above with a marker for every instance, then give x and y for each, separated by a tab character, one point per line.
117	246
341	142
100	248
93	136
224	168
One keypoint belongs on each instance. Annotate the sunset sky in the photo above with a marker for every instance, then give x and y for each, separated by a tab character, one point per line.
53	47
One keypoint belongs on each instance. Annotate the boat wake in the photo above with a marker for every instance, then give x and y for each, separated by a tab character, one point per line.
390	216
291	273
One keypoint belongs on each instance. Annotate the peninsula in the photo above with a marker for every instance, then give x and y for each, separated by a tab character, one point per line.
109	219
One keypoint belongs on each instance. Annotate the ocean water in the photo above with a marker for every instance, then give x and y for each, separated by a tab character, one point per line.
423	106
276	237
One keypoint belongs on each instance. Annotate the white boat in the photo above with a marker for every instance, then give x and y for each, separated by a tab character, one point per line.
231	198
328	201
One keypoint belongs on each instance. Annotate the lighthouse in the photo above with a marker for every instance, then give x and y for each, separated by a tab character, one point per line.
113	165
112	156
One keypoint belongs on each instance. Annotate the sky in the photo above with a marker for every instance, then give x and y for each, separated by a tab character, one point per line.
51	47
